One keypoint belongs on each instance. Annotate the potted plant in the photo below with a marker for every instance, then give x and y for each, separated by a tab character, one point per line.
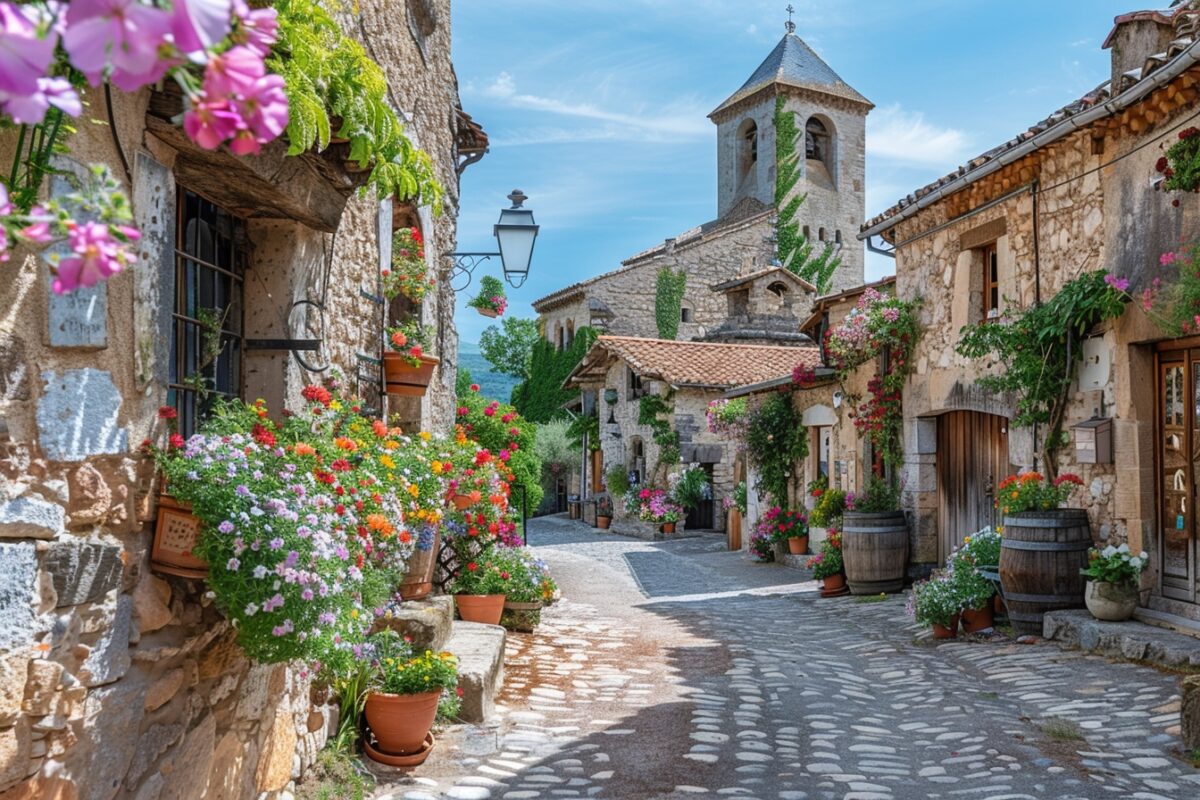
975	564
402	702
1044	548
827	566
490	302
529	589
656	507
761	546
480	587
407	369
788	528
690	487
828	508
408	274
874	539
604	511
418	579
936	602
1112	582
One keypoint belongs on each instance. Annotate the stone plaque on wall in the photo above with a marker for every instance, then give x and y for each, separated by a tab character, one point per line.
78	318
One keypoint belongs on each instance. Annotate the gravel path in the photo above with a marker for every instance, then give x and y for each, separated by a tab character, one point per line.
675	669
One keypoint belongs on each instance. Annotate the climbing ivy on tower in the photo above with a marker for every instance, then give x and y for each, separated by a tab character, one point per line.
795	250
668	301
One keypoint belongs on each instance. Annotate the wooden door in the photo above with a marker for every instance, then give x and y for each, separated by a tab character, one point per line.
1178	475
972	458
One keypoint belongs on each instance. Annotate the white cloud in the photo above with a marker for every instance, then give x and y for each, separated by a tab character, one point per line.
903	136
679	119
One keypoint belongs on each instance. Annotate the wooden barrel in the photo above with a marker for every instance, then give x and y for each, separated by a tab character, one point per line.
1041	554
875	551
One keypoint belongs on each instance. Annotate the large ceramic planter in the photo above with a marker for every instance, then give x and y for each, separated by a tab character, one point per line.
875	551
603	522
401	722
403	378
418	580
975	620
798	545
1111	602
834	586
521	617
949	631
485	608
176	534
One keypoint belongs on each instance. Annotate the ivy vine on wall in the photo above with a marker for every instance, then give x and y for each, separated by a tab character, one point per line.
776	440
668	301
795	250
650	407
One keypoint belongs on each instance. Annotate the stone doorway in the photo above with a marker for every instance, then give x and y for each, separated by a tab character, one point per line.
972	458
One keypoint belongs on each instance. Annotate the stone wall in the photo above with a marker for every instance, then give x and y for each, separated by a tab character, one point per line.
116	681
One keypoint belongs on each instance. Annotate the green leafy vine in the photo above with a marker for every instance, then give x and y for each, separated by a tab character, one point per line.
795	250
668	301
776	440
650	408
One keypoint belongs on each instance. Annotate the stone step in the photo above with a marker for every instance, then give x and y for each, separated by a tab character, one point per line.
1131	640
480	652
426	622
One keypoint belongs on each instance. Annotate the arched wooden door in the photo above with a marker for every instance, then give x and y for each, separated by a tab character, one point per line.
972	458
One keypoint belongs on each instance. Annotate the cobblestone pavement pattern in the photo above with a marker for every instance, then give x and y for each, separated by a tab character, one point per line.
676	670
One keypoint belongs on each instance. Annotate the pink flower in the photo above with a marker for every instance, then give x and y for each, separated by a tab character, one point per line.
1120	284
197	25
233	72
31	108
24	55
257	28
121	37
97	256
489	411
264	109
39	230
1167	259
208	124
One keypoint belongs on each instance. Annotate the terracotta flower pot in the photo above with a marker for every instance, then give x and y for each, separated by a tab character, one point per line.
798	545
834	585
488	312
418	581
975	620
401	722
603	522
410	760
1112	602
176	533
404	379
485	608
946	631
667	527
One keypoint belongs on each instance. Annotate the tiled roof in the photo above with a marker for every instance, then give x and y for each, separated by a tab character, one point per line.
978	167
793	63
780	272
707	364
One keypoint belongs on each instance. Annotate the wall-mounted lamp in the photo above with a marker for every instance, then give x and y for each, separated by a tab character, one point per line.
515	233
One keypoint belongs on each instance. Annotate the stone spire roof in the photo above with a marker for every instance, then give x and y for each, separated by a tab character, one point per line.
794	63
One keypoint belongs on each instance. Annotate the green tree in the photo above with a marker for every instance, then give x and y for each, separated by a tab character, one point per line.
541	396
795	250
668	300
509	346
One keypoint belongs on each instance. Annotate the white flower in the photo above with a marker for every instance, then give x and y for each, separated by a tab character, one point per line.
1124	548
1142	555
1109	551
1135	562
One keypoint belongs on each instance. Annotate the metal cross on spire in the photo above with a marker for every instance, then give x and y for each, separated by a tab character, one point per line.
791	26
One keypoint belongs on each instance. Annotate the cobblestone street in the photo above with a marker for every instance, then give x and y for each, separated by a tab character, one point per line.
677	670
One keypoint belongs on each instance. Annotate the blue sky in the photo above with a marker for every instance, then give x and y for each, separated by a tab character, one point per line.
597	109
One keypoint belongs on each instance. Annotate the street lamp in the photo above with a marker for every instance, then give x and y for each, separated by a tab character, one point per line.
515	234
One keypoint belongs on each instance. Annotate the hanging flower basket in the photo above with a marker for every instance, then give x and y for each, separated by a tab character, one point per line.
404	379
176	534
488	312
490	302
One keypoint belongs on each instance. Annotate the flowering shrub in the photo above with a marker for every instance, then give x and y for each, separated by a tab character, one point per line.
828	560
654	505
817	486
827	513
410	340
1180	167
488	573
782	525
530	580
509	438
728	419
878	324
935	601
776	440
1030	491
408	273
740	498
761	546
306	527
880	496
980	549
397	671
689	487
491	295
1115	565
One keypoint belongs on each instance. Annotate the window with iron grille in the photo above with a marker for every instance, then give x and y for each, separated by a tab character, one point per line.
207	333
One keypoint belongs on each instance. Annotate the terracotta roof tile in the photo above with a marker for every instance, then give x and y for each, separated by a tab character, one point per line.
697	363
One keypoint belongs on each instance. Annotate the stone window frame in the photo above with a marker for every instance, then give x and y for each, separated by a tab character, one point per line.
634	386
747	148
685	314
989	281
821	147
197	279
637	459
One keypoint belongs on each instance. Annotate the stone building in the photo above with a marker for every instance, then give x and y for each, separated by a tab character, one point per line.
116	680
831	116
619	371
1074	193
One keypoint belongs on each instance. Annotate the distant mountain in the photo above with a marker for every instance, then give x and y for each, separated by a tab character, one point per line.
495	385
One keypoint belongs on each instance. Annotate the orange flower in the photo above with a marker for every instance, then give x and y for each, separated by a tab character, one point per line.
399	339
304	449
346	444
380	428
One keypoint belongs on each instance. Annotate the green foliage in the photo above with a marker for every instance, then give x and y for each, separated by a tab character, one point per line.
491	295
586	425
795	250
668	301
827	513
541	396
650	408
776	440
556	448
741	498
398	671
509	347
1040	349
1180	167
337	775
616	480
879	497
329	75
935	601
691	488
828	560
36	145
492	424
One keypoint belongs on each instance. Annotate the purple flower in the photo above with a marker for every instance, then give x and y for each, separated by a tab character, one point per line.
232	565
226	527
276	543
260	572
1120	284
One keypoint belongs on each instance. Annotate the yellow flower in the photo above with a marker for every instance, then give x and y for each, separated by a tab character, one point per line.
336	405
437	467
387	461
426	436
414	490
354	613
